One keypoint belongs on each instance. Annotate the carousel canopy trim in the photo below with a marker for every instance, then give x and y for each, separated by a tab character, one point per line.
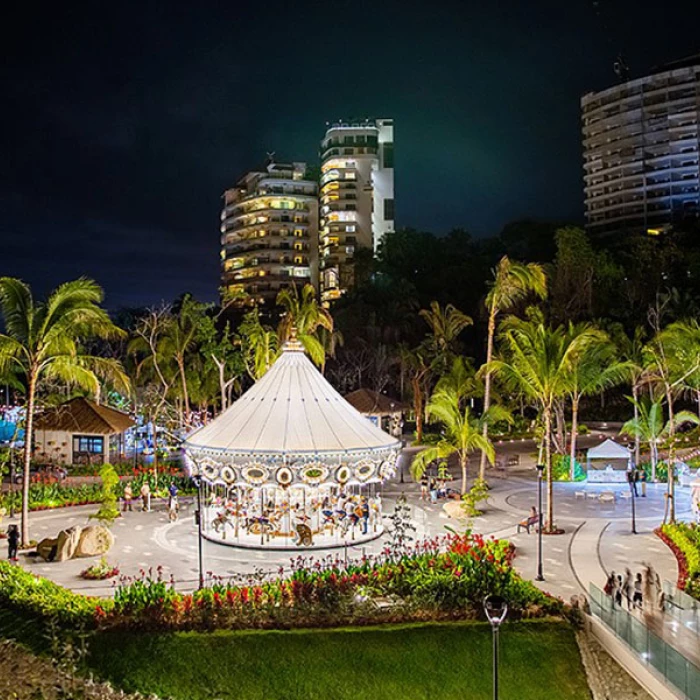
292	410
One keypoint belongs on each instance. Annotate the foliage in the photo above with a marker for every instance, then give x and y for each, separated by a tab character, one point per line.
477	493
401	529
46	493
100	571
108	511
561	469
446	576
686	540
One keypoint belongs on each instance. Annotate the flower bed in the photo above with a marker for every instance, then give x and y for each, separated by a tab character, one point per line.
100	571
47	493
442	578
684	541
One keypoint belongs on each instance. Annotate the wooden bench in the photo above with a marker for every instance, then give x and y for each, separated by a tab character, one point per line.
528	523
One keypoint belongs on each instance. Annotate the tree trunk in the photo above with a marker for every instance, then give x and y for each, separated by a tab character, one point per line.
185	395
28	439
654	458
671	470
574	435
418	408
463	465
549	521
637	455
487	388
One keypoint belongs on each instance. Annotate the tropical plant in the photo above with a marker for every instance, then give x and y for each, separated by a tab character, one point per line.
537	361
259	344
43	342
512	282
462	432
108	511
649	425
596	369
303	318
445	326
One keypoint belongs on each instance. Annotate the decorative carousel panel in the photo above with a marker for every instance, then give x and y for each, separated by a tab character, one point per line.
256	474
284	476
228	475
314	474
209	469
364	470
343	474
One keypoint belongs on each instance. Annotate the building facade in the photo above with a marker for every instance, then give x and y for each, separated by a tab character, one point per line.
641	149
269	231
356	198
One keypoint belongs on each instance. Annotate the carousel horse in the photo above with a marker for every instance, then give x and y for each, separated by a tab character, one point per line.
221	520
303	535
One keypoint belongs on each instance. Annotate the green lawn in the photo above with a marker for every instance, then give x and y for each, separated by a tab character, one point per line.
409	662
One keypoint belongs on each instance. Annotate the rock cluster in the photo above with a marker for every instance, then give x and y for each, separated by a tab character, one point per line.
76	542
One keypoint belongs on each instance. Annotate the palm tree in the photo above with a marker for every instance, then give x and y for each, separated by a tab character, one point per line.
446	325
463	432
303	317
631	350
418	365
42	342
595	370
259	344
537	362
512	282
649	426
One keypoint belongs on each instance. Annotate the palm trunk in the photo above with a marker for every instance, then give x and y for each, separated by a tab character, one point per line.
671	457
463	465
654	458
418	408
637	456
487	389
185	395
574	435
28	439
549	521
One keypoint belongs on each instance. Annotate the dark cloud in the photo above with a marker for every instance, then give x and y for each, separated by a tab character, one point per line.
123	125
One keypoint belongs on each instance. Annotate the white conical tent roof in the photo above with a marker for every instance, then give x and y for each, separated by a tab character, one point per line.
291	410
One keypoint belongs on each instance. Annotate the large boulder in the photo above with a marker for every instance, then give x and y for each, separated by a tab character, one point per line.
94	541
67	543
47	548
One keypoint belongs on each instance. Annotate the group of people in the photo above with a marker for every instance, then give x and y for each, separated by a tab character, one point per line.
641	591
145	496
434	488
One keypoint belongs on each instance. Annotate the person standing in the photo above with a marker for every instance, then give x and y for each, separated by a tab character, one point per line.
618	591
423	486
637	597
365	515
12	542
643	480
609	588
628	588
146	497
128	496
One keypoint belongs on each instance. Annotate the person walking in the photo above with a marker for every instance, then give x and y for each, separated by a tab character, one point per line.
146	497
638	598
648	588
618	591
128	496
628	588
12	542
609	587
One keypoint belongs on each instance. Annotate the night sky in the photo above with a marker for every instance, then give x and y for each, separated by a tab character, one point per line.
123	124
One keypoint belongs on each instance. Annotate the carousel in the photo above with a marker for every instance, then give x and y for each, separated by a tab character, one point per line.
291	464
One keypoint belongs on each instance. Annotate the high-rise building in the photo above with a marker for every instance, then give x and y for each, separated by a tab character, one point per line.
269	231
356	197
641	150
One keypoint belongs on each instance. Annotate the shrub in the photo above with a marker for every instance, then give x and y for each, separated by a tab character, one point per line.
100	571
561	470
470	500
108	511
684	539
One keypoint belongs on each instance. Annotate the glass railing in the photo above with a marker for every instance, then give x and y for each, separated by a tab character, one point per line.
683	608
651	649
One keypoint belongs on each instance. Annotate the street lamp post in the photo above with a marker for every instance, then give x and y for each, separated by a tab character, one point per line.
496	610
197	479
540	474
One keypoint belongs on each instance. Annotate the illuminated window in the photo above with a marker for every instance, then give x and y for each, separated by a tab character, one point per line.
298	246
350	228
298	232
298	260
